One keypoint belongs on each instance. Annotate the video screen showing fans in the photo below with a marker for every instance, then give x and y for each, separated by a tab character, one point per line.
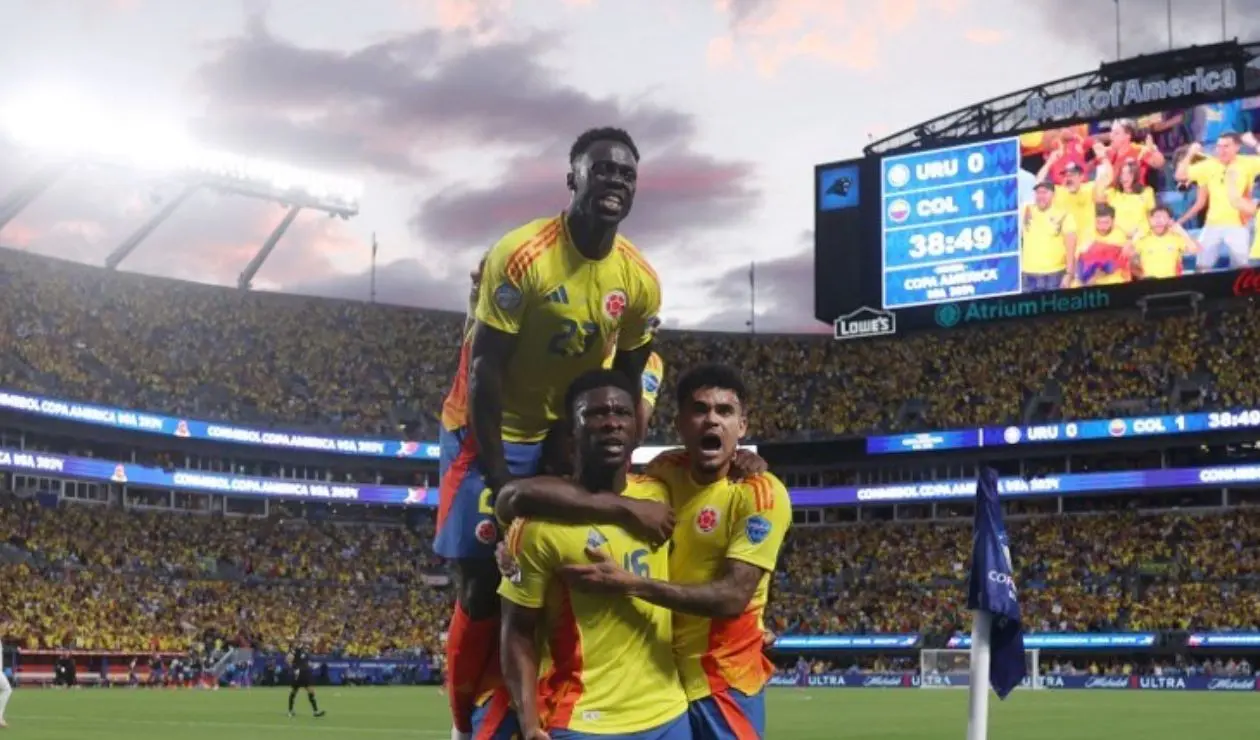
1091	204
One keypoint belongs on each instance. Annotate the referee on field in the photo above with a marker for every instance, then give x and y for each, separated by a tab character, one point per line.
302	677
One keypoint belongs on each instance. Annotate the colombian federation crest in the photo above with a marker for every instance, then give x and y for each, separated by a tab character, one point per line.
707	520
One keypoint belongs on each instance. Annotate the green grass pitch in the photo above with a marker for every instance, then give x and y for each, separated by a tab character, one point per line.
820	714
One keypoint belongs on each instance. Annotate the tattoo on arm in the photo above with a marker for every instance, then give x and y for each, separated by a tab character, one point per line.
724	598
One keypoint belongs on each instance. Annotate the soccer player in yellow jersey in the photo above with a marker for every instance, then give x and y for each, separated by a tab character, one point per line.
1158	253
1048	249
556	293
579	664
724	552
1224	226
1248	207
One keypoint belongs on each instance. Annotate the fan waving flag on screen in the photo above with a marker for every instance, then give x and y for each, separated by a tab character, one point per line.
991	588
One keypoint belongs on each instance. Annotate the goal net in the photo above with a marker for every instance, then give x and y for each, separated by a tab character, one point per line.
951	669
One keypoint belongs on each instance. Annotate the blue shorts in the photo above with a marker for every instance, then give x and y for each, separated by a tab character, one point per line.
729	715
466	526
494	719
676	729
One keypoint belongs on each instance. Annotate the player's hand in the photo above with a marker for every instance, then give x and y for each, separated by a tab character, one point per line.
746	464
602	574
538	734
767	639
648	520
508	567
1067	281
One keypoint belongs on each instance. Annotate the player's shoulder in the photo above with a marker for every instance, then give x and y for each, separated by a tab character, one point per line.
521	248
668	465
646	488
765	492
634	263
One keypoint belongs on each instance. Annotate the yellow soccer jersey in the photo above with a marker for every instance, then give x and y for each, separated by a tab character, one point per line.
1080	206
608	665
1160	256
1212	174
568	313
1133	210
743	521
1043	251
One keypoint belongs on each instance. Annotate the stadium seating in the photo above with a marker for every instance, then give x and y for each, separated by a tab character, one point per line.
78	332
101	579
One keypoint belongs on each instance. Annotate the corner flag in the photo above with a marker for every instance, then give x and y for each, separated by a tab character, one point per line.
997	640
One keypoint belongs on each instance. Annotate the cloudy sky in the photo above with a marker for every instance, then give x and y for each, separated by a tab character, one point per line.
457	115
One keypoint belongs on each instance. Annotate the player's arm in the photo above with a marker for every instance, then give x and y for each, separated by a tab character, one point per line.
1103	180
522	596
1152	157
1069	248
1189	243
501	303
1185	165
638	328
561	500
1200	202
650	383
753	551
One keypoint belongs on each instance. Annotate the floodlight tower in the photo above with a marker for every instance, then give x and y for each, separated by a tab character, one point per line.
76	134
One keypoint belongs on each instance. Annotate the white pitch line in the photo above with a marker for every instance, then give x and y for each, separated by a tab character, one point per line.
317	726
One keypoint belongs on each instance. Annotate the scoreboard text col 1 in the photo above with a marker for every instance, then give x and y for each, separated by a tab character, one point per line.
950	224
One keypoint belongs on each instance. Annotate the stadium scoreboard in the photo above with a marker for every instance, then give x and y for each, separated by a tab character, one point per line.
950	224
928	228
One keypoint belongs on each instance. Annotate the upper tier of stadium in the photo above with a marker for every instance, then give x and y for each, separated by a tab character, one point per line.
82	333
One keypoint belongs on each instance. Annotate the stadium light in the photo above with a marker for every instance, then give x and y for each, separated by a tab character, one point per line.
65	125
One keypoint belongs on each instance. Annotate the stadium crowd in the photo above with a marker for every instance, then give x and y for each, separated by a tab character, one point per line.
99	578
76	332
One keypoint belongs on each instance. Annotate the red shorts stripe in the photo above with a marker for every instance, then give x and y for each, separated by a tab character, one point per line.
741	727
496	714
448	487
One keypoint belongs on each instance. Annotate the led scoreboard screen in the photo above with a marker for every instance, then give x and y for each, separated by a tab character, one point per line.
950	224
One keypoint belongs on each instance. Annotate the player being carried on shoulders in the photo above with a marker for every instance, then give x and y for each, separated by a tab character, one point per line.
607	669
558	295
721	560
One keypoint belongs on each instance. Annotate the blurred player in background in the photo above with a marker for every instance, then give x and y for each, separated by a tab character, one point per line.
302	677
555	294
611	667
1048	242
6	689
721	560
1160	251
1105	260
1224	227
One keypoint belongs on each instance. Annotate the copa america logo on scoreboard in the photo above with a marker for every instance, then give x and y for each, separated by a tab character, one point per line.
1095	102
865	322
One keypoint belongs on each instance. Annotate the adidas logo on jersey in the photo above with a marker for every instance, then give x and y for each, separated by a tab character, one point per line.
559	295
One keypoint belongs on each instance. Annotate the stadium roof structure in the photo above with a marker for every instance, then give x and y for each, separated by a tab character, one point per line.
69	133
1008	114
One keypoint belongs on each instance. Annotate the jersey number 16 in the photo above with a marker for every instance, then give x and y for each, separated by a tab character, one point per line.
636	563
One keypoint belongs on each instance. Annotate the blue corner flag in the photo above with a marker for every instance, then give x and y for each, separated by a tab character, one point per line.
991	588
